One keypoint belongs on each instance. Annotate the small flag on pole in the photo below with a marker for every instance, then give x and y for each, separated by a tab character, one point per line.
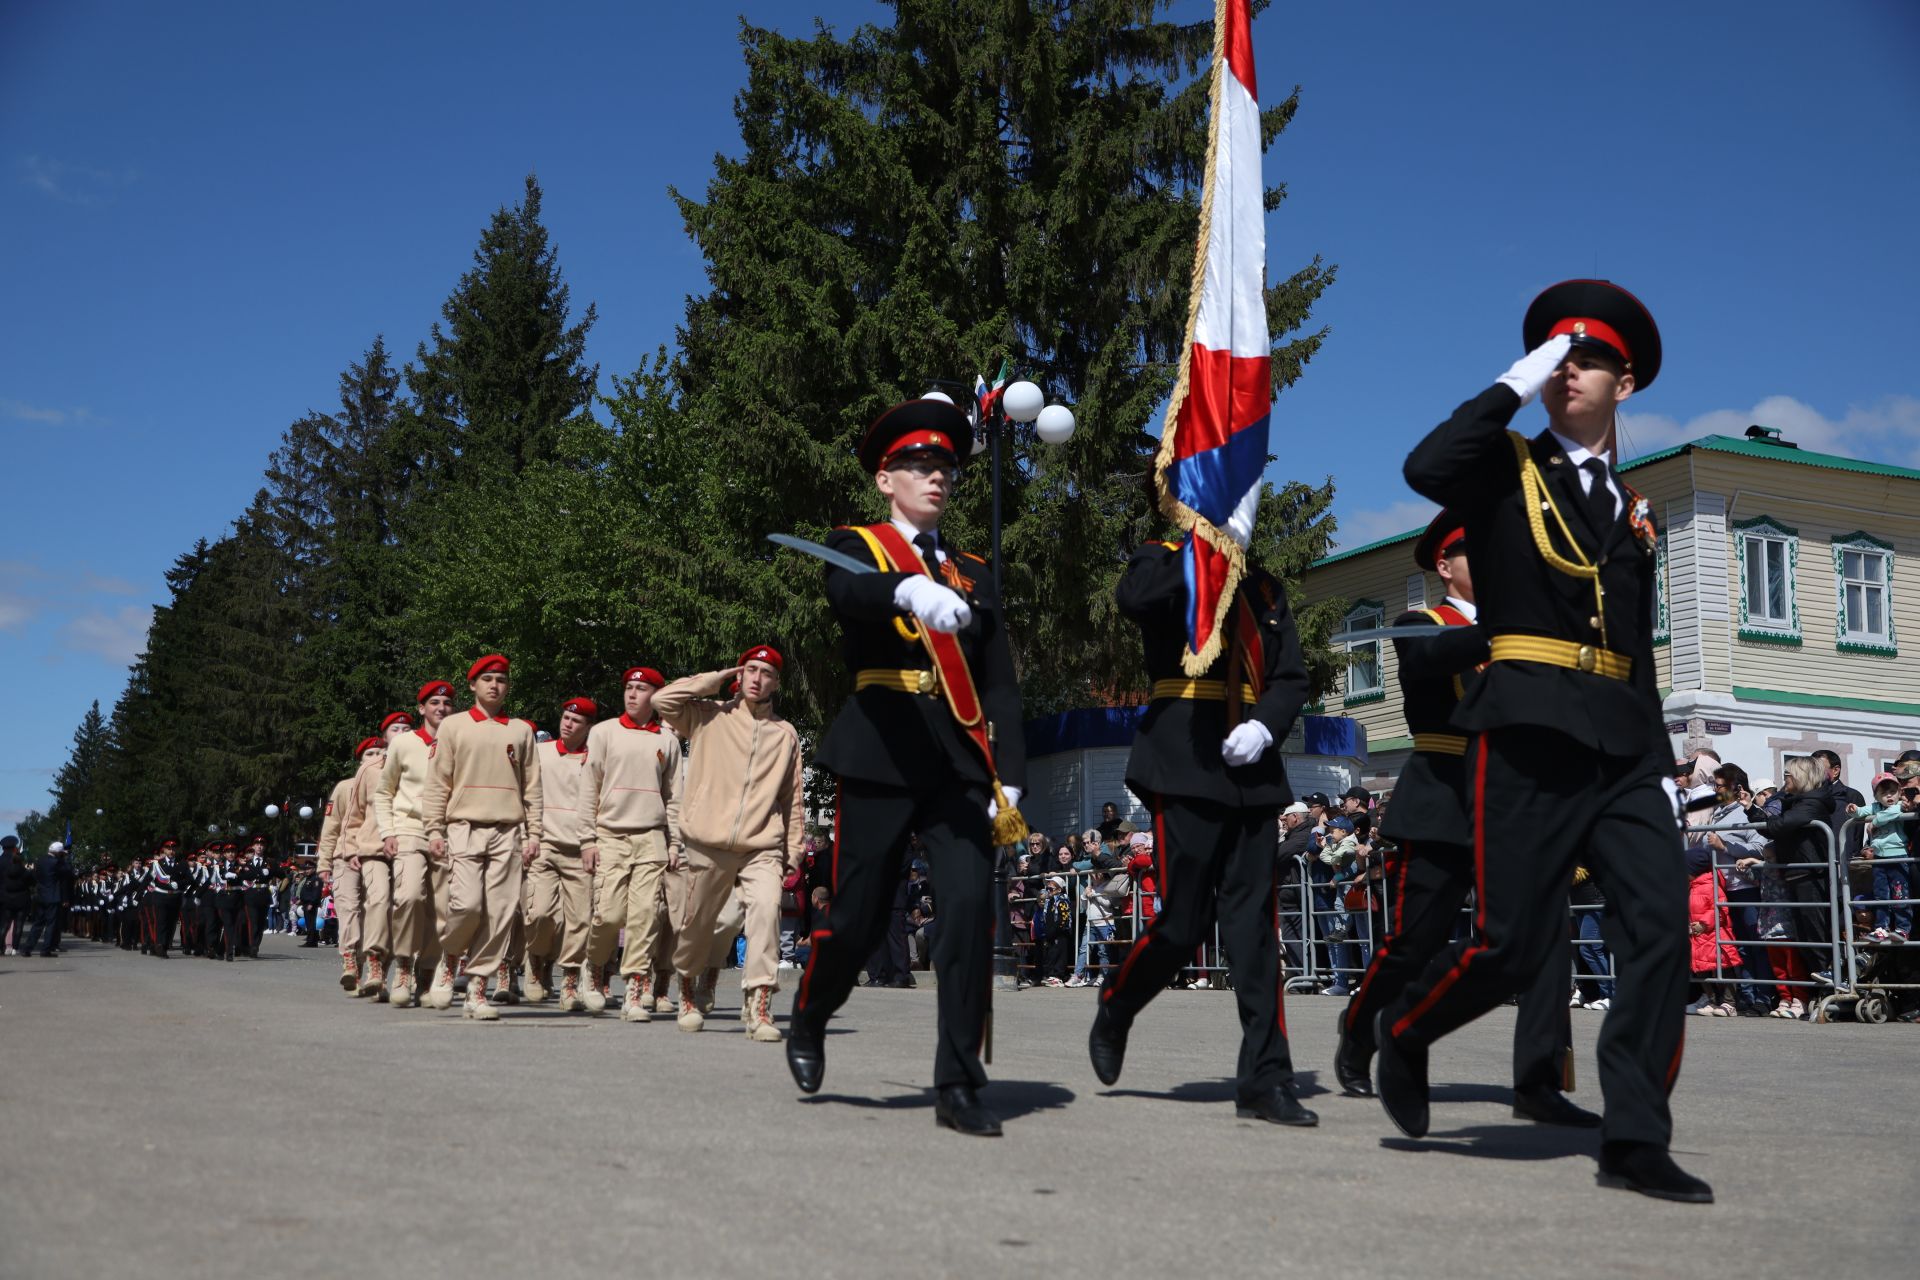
987	398
1213	447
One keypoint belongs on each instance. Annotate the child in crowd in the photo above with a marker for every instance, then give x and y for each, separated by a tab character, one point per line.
1889	820
1708	925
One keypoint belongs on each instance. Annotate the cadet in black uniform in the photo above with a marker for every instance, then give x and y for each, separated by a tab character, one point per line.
255	879
166	878
1429	869
904	761
1207	763
227	905
1566	745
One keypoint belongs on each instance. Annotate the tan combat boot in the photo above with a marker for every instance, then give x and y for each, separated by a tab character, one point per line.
663	991
350	975
440	994
405	996
639	1005
703	992
758	1015
690	1019
570	999
593	990
503	987
373	978
477	1007
538	968
378	964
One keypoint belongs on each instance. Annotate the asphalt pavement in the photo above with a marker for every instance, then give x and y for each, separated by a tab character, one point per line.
193	1118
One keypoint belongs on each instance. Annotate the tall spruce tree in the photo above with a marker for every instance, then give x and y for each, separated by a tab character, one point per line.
976	181
77	783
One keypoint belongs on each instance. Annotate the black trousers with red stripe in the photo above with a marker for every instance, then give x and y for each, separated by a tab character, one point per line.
870	830
1429	881
163	916
1214	862
1542	804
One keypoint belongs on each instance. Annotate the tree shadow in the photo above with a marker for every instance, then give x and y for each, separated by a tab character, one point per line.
1008	1099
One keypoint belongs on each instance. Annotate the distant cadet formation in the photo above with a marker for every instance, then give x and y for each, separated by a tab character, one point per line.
212	902
462	843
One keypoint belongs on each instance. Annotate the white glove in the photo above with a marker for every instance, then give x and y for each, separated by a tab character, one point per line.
1013	801
1247	743
941	608
1531	371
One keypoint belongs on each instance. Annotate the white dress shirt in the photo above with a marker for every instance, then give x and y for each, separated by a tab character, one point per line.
1578	454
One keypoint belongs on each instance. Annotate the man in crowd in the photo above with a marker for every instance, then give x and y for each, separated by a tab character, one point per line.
16	895
482	793
742	817
632	805
914	749
52	891
559	891
167	878
419	879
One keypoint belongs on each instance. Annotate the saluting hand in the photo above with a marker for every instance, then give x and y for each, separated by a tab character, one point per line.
1531	371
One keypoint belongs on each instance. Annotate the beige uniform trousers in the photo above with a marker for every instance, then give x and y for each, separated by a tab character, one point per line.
440	884
347	906
717	873
483	894
376	906
415	931
677	889
626	895
559	907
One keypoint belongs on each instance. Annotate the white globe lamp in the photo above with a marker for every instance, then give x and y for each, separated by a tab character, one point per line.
1022	401
1055	424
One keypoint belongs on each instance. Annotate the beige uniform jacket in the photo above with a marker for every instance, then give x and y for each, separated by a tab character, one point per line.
745	784
633	772
484	770
330	826
359	830
563	794
399	798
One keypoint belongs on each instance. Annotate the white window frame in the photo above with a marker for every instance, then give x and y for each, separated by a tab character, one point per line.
1662	630
1846	639
1365	614
1767	628
1416	591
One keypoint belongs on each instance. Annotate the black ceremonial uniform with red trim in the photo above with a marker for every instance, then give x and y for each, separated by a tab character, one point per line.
1215	826
1429	860
904	765
1564	762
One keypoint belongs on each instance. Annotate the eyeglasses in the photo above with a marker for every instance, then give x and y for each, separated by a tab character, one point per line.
927	470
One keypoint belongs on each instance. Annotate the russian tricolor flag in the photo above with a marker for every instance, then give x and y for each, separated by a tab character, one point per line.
1213	447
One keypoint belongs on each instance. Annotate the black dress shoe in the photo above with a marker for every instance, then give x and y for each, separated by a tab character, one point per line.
1276	1106
1400	1077
1550	1106
904	980
1643	1167
1107	1045
958	1108
1349	1064
806	1055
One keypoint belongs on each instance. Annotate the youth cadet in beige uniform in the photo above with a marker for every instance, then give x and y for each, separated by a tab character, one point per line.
350	887
343	881
559	895
484	786
741	823
369	852
419	881
632	807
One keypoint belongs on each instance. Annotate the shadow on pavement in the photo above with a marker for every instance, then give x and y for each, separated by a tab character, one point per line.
1009	1099
1517	1141
1305	1085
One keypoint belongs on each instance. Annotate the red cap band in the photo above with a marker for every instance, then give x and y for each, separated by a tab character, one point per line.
763	653
919	440
1599	330
396	717
432	687
492	662
582	706
1452	537
647	674
366	745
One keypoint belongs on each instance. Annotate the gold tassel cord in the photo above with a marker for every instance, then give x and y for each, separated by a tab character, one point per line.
1534	493
1008	826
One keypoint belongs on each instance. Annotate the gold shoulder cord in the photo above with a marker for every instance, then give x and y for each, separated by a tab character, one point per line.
1533	490
908	631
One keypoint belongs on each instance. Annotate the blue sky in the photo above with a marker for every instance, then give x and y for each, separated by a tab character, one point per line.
209	209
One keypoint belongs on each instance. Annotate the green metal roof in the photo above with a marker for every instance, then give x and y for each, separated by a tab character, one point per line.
1709	444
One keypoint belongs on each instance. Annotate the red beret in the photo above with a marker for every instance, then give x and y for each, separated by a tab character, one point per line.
647	674
492	662
396	717
366	745
762	653
432	687
583	706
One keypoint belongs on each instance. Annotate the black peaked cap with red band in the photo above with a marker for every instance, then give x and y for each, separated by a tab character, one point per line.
1446	531
932	425
1599	315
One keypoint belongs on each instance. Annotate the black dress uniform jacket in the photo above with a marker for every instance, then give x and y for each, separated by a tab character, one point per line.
1429	799
1177	749
1468	464
911	740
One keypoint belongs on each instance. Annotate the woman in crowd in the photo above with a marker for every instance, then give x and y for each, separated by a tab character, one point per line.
1716	961
1800	853
1739	855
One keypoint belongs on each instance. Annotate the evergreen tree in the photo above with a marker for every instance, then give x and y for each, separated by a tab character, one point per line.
76	783
496	384
977	181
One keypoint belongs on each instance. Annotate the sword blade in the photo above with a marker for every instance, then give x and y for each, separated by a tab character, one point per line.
1409	632
838	560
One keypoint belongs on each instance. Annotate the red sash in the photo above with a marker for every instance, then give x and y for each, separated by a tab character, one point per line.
1447	614
956	677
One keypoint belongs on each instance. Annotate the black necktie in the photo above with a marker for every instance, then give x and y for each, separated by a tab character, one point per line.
924	541
1599	497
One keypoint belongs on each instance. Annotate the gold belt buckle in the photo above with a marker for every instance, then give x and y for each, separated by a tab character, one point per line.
927	681
1587	658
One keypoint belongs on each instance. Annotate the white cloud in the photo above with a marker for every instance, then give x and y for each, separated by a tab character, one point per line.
73	183
46	415
1886	430
11	818
1358	528
118	636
